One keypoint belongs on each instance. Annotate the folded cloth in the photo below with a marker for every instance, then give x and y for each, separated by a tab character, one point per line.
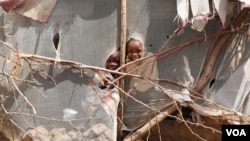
8	5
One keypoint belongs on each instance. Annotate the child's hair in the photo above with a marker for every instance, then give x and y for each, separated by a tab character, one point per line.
133	39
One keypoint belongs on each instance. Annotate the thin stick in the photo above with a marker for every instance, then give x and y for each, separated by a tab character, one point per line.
24	97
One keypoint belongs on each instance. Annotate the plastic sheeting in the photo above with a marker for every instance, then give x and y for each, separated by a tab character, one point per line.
87	31
80	31
229	85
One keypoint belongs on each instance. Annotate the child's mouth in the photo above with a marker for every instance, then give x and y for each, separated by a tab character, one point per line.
135	58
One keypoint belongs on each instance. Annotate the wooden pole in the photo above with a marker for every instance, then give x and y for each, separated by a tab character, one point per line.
122	62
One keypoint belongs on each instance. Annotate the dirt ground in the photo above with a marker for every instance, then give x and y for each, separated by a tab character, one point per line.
172	130
204	129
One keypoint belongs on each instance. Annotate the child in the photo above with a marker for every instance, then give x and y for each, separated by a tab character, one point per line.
136	114
108	92
146	68
105	94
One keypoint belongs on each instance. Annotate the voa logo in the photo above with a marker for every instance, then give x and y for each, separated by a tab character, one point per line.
236	132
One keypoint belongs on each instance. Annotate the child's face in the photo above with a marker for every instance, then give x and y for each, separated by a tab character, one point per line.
134	50
113	62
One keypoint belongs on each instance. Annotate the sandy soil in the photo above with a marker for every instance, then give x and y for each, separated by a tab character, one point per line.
171	130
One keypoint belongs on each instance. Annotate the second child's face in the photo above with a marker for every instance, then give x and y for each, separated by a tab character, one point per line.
134	50
113	62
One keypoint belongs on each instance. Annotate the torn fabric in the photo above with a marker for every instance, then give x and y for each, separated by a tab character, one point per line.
199	7
201	11
36	9
8	5
183	12
221	8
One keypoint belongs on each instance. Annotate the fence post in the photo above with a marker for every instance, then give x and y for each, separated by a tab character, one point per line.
123	31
